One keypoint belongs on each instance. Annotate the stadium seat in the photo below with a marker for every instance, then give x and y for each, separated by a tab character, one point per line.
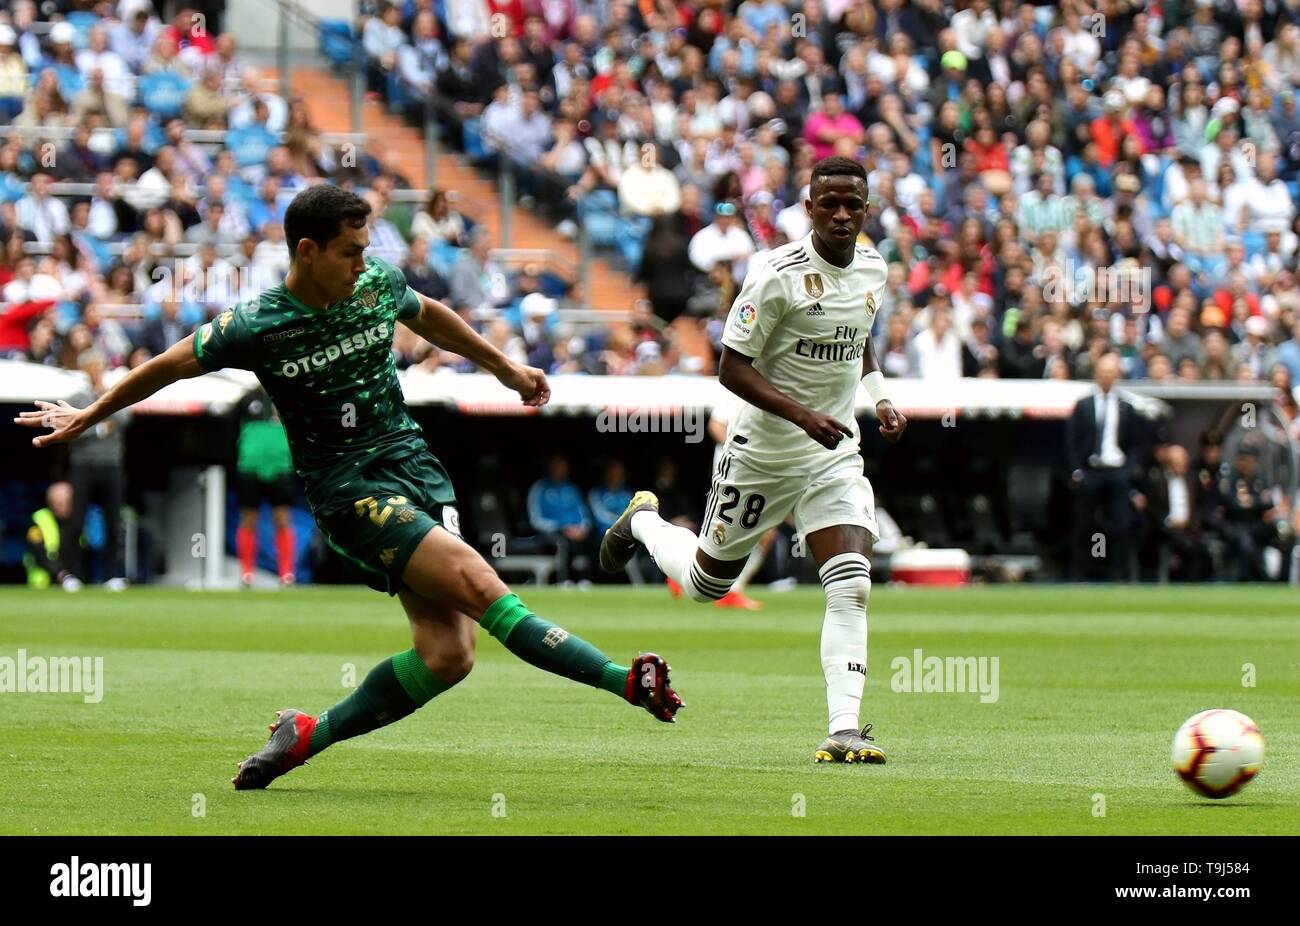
336	42
474	148
985	532
1028	505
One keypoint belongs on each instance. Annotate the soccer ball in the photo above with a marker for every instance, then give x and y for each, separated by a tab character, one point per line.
1217	752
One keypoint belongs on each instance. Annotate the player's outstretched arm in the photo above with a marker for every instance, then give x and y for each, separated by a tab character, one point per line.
440	325
736	372
68	423
892	422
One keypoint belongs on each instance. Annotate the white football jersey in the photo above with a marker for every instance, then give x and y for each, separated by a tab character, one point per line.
805	322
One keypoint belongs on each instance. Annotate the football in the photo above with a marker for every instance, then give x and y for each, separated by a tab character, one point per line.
1217	752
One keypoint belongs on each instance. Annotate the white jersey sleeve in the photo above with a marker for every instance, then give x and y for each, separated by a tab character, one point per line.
759	306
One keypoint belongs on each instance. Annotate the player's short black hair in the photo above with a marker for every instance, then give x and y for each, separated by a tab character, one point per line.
318	212
838	167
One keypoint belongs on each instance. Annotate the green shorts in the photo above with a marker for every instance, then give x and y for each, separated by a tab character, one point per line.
379	517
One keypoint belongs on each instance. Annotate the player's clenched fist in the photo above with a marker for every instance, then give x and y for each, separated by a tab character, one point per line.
892	422
529	382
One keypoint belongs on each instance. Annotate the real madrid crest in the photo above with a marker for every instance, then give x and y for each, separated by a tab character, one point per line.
812	285
871	303
720	534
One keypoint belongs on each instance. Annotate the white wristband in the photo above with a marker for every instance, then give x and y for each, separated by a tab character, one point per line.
875	383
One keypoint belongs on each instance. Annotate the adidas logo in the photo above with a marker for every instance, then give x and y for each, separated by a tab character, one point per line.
816	310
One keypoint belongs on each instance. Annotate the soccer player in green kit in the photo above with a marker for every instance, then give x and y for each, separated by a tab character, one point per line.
321	345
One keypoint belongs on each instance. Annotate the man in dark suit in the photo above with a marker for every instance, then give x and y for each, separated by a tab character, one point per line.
1101	442
1175	521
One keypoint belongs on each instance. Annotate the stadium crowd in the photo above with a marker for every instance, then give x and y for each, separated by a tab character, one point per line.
1023	158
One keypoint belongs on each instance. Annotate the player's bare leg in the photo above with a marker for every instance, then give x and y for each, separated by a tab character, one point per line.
447	570
843	555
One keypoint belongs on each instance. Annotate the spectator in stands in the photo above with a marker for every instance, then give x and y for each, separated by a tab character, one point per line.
438	221
138	148
936	351
211	230
13	74
420	276
1288	353
647	188
165	58
206	104
421	59
270	260
724	241
523	135
556	511
386	241
1180	341
133	37
458	85
190	33
164	329
98	98
1199	230
19	322
826	127
98	56
1101	443
477	281
382	37
29	43
109	213
78	162
41	213
250	144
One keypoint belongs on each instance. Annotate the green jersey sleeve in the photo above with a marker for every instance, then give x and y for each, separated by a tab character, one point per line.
405	298
225	342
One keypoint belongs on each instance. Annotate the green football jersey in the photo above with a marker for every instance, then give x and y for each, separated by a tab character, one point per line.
330	373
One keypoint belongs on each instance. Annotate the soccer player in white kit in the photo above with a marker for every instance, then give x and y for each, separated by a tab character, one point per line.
796	344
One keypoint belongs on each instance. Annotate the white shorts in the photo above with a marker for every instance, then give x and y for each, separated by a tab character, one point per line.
745	503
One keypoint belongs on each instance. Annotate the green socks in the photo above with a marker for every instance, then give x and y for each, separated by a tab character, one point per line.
400	685
542	644
394	688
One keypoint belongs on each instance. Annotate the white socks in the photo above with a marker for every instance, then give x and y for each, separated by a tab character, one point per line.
847	580
673	550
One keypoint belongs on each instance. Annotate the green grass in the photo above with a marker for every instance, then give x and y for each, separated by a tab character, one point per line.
1093	683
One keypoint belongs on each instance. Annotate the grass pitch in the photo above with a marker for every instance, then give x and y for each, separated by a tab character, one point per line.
1092	684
